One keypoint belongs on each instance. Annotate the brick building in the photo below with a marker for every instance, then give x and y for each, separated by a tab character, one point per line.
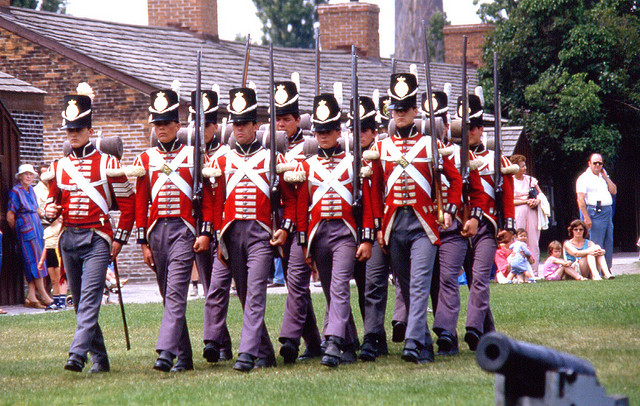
124	63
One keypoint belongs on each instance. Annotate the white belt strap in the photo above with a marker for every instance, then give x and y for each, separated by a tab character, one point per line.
103	175
158	163
331	180
488	189
394	154
295	151
82	182
247	168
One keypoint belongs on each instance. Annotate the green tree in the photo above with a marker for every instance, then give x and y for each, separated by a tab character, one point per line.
54	6
288	23
435	36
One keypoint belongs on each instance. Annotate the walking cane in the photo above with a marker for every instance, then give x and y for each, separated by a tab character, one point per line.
124	317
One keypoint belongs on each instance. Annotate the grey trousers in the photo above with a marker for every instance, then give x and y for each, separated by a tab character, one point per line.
452	252
483	251
250	259
375	294
171	243
410	245
299	318
204	264
333	250
216	306
86	256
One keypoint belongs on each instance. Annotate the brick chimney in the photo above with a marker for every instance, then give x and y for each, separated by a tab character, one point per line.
5	3
346	24
476	37
199	16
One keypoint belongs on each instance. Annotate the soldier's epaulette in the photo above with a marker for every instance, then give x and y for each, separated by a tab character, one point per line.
366	172
114	172
510	170
135	171
446	151
211	172
295	176
48	175
370	155
475	163
282	168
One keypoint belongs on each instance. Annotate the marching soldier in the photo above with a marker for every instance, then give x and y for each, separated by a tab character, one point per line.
243	220
166	226
205	260
409	225
482	226
327	226
83	187
299	318
376	283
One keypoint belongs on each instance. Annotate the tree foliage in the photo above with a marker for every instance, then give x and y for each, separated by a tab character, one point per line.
569	72
435	36
54	6
288	23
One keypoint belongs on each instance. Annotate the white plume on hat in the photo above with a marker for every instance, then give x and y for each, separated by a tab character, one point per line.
175	86
216	88
413	69
375	96
295	78
480	93
84	89
337	92
447	89
252	85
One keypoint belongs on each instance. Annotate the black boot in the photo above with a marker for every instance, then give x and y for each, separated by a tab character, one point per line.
211	352
447	343
368	351
75	363
332	353
245	362
164	362
289	350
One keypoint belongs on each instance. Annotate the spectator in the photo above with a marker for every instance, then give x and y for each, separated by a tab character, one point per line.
526	198
2	311
588	255
58	286
502	263
520	258
595	199
23	215
556	268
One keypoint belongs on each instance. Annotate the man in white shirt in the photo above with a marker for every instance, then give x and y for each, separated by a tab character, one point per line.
595	191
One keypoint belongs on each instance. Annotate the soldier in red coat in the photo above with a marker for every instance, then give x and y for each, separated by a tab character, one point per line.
299	319
482	227
327	227
243	221
166	226
83	187
402	180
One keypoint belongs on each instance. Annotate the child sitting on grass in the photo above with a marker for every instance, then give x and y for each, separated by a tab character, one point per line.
501	260
520	259
556	268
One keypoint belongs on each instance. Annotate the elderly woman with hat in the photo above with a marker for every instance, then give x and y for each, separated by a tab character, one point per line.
23	215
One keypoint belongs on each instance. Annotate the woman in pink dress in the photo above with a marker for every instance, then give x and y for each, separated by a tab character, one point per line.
525	198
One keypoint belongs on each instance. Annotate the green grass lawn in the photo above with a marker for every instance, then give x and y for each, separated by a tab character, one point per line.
599	321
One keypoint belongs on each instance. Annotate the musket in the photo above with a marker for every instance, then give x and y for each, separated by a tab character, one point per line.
317	62
497	173
197	149
247	51
274	184
464	151
124	317
357	147
393	66
436	166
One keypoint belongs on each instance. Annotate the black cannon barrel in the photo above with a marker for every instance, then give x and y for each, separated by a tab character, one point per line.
501	354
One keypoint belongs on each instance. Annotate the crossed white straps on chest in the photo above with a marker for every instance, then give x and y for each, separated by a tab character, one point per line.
390	152
294	153
249	169
485	170
168	171
326	180
83	184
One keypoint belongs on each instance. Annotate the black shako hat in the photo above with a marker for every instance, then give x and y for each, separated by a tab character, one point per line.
403	89
285	97
475	110
383	109
164	106
77	112
367	114
439	101
326	113
242	105
209	106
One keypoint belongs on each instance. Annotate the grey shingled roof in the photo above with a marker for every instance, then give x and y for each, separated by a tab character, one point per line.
509	138
10	84
158	55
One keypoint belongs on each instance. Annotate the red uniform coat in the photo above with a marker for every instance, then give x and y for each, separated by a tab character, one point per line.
242	190
402	177
165	180
325	193
87	188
